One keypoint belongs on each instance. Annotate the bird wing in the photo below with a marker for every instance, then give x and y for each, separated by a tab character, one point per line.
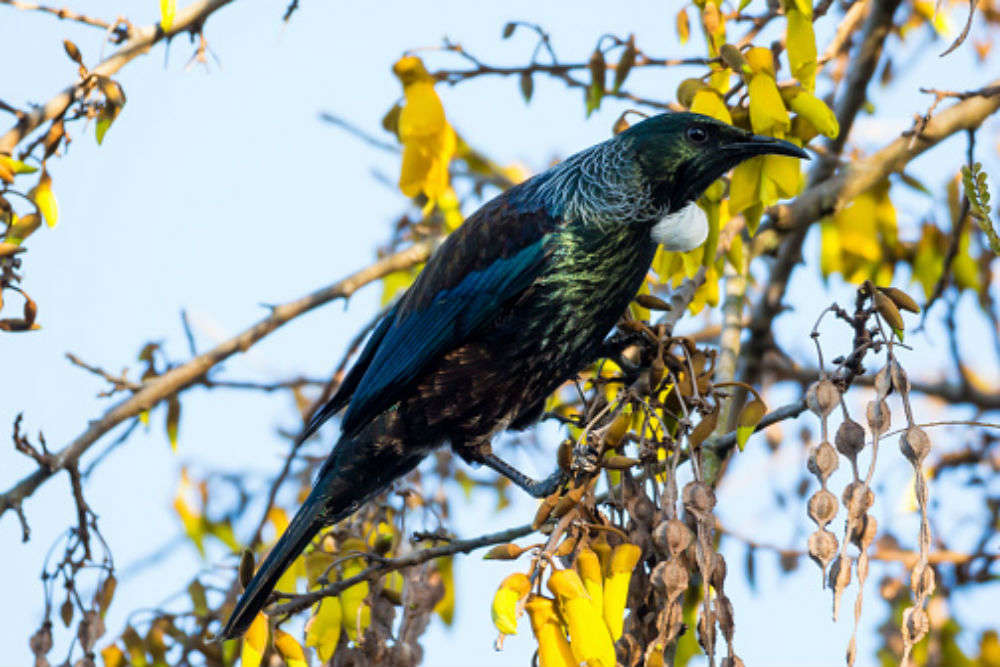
491	259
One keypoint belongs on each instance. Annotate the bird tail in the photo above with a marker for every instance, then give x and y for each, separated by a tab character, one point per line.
358	468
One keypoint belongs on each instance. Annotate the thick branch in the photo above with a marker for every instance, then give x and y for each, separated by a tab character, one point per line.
188	19
192	372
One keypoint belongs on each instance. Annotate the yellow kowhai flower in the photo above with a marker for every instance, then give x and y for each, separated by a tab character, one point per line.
553	649
589	638
504	608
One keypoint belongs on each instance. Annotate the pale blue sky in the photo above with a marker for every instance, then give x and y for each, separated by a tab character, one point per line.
217	192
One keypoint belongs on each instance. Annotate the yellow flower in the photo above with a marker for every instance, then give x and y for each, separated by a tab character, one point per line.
553	649
588	635
428	140
504	608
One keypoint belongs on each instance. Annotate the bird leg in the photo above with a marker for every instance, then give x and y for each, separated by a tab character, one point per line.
536	488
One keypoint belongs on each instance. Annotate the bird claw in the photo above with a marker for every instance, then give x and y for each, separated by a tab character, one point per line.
535	488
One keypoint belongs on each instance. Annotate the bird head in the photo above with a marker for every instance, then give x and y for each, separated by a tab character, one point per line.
681	154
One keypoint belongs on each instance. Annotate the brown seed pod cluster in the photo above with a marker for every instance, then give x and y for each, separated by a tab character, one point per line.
878	306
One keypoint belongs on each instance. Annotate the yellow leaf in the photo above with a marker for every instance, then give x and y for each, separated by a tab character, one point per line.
23	227
428	140
323	629
16	166
105	117
683	26
801	43
45	200
357	612
173	420
829	257
189	510
288	581
289	649
254	642
768	114
168	8
112	656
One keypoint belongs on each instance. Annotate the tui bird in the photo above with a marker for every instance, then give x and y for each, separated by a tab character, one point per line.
514	303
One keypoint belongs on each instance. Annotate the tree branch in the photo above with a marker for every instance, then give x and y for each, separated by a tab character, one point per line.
191	373
188	19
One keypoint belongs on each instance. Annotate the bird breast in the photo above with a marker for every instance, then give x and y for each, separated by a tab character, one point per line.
682	230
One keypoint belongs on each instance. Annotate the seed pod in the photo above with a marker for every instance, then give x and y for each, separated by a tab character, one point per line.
656	370
698	498
598	70
246	568
864	531
822	547
527	85
900	382
625	63
508	30
717	575
822	461
617	430
724	611
508	551
888	310
915	624
914	444
822	507
840	574
652	302
922	580
879	417
564	455
670	577
53	136
672	537
850	438
504	608
733	661
620	125
901	299
857	499
883	383
544	510
822	397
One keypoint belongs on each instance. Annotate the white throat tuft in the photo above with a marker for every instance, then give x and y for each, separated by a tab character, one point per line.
682	230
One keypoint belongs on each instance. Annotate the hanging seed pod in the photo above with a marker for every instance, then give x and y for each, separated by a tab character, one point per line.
915	624
857	499
564	455
656	370
900	382
672	537
822	397
617	430
698	498
822	547
914	444
840	574
566	547
717	575
888	310
901	299
879	417
883	383
922	580
822	507
822	461
670	577
732	662
544	510
619	462
850	438
863	532
625	63
704	429
73	52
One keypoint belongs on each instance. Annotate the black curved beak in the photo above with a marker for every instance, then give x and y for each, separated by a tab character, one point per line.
756	144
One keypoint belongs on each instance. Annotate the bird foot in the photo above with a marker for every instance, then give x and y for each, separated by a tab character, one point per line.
535	488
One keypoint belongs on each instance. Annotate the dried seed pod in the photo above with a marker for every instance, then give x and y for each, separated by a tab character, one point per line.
717	575
670	577
822	507
857	499
617	430
822	547
922	580
914	444
724	609
732	662
598	70
879	417
564	455
652	302
672	537
888	310
883	383
901	299
704	428
915	624
850	438
822	461
73	52
864	531
625	62
508	551
822	397
900	382
566	547
527	85
544	510
840	574
698	498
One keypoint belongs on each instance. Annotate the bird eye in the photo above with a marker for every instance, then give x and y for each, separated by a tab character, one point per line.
697	134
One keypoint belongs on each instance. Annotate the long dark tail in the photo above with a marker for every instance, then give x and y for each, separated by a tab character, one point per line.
358	468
